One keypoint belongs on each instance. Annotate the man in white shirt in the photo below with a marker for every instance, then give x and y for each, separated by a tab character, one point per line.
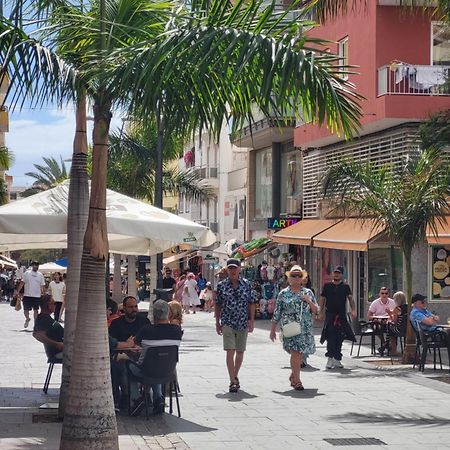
34	283
57	290
380	307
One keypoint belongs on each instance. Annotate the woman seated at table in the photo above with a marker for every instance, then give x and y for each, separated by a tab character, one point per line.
397	322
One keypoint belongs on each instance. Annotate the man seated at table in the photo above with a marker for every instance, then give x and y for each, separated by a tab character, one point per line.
381	307
428	321
121	329
163	333
48	330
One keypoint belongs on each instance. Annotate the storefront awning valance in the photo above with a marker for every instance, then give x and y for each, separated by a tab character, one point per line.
349	234
178	256
442	236
302	232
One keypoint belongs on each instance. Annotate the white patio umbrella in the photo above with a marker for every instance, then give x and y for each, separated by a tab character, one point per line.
51	267
134	227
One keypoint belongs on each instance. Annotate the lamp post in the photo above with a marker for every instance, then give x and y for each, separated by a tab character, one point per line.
158	186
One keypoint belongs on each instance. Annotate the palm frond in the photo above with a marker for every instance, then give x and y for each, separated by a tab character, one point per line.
178	181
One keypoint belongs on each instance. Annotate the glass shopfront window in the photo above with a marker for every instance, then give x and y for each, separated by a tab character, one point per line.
440	272
291	181
385	268
329	259
263	184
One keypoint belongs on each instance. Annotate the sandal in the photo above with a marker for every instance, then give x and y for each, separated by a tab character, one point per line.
298	386
233	387
236	382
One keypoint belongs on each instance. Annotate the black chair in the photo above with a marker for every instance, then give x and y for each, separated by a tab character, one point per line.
51	363
158	367
364	329
431	340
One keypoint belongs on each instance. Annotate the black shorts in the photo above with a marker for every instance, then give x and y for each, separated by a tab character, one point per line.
30	303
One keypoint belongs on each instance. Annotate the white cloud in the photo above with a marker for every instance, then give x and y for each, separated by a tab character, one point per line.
45	133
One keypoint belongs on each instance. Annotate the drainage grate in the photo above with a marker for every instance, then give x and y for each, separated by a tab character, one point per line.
355	441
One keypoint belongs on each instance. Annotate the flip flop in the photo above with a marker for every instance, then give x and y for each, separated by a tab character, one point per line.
298	386
236	382
233	387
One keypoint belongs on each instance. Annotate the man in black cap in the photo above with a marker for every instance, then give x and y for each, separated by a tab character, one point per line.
235	313
33	283
333	300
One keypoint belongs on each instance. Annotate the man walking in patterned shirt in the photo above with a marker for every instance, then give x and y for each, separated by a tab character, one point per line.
235	314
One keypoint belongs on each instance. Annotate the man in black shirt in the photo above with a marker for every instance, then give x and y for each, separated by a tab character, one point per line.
333	300
48	330
128	324
121	329
168	281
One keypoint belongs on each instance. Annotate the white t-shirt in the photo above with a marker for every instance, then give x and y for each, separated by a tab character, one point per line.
32	283
378	308
57	290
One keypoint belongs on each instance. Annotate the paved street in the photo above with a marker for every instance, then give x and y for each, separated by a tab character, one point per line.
394	404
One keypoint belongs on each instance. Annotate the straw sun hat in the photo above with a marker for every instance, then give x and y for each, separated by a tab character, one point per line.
297	269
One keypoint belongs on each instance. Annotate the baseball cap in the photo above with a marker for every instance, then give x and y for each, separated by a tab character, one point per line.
417	298
339	269
233	262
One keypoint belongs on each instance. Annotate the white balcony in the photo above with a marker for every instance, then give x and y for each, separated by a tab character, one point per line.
409	79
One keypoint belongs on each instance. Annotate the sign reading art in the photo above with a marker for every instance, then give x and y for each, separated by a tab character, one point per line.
277	223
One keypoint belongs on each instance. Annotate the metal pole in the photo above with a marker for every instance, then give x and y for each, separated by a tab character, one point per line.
158	187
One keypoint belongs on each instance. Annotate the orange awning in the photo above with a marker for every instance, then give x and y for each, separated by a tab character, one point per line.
349	234
443	233
302	232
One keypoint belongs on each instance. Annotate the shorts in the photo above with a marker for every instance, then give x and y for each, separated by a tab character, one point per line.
30	303
234	339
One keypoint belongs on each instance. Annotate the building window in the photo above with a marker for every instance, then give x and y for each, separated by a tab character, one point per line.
440	54
263	184
343	55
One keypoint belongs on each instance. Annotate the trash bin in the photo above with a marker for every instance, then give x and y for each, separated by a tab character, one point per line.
163	294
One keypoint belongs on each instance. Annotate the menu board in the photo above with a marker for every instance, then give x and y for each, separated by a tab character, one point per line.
440	270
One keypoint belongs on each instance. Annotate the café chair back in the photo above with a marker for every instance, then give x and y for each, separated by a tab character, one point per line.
158	367
430	340
364	329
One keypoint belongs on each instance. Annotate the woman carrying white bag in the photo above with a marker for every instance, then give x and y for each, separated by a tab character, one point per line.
294	310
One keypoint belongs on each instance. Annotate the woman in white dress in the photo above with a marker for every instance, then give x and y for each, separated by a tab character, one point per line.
190	296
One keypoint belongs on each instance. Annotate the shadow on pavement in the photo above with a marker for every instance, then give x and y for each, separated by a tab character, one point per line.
392	419
160	425
307	393
235	396
17	397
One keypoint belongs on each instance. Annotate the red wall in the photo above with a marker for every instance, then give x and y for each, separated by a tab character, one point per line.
377	36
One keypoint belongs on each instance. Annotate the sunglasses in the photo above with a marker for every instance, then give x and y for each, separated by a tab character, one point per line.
296	276
384	293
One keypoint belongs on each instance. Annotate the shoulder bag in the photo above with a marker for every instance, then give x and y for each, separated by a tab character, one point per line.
292	329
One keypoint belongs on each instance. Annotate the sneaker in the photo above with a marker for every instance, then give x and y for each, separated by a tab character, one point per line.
337	364
27	322
330	363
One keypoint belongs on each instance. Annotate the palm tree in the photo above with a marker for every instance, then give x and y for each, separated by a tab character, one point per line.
132	161
404	200
6	160
48	175
188	68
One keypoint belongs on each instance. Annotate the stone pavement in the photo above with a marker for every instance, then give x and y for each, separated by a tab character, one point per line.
393	404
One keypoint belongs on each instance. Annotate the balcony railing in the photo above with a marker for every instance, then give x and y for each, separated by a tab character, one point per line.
408	79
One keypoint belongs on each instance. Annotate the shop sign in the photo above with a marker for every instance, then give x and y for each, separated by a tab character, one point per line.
441	272
277	223
190	238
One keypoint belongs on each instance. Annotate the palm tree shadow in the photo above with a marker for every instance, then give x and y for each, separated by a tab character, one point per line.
236	396
307	393
392	419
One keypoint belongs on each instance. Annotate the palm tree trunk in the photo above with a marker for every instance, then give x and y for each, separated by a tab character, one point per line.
77	213
409	353
89	419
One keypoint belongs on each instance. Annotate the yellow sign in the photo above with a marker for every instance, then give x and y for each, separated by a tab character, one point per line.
440	270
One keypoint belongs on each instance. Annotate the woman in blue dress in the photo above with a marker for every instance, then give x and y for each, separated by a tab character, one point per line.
296	304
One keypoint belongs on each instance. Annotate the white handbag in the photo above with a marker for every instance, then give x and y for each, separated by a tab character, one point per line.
292	329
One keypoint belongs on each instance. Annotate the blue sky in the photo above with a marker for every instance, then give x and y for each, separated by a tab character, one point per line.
37	133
